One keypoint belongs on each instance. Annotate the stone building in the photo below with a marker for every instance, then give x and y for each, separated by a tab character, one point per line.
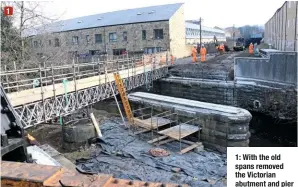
281	30
140	30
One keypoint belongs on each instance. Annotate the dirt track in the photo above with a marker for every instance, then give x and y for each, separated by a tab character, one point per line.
218	67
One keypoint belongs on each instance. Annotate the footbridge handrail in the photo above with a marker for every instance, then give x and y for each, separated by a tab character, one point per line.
41	94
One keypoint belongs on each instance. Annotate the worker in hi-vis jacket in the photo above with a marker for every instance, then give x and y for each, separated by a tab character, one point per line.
203	53
194	54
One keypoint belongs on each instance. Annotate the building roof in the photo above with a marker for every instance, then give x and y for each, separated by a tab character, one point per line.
129	16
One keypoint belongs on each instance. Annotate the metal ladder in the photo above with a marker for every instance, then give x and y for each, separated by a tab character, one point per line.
124	99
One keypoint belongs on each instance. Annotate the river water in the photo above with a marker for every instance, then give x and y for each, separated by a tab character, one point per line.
269	132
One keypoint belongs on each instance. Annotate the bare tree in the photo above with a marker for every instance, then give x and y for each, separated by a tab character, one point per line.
17	33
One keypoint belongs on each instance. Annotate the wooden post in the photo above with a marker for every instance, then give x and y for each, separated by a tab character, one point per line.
93	65
42	94
53	82
78	71
106	71
45	73
98	132
75	83
99	82
16	75
6	77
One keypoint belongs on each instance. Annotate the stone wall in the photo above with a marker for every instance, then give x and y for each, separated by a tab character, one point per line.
222	126
173	38
278	101
134	38
213	91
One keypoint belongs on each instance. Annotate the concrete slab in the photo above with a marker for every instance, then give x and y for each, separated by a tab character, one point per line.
227	113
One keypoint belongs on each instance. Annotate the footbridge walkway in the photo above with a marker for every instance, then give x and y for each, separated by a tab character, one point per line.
47	92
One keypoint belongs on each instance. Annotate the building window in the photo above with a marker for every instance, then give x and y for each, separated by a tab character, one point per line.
50	42
143	34
98	38
75	40
158	34
119	51
88	39
94	52
113	37
73	54
125	36
56	43
150	50
35	44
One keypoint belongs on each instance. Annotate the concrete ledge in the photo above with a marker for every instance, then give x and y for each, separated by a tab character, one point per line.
222	125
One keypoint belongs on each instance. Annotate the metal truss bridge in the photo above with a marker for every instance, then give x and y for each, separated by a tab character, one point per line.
41	94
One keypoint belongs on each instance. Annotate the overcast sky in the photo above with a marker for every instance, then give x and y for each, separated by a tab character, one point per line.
222	13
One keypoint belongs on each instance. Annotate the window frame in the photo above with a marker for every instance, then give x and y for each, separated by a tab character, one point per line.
35	44
112	40
88	39
157	34
56	42
124	35
95	38
75	40
144	38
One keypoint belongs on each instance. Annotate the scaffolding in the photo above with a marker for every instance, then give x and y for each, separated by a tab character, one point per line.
168	128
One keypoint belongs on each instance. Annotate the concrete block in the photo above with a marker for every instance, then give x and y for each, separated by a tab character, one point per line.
199	149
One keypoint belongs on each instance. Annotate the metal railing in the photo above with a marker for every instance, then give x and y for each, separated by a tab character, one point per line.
23	79
88	83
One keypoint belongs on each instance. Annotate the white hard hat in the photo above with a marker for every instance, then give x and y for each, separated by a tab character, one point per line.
202	45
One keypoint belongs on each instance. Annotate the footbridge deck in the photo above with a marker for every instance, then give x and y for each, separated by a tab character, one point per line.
41	94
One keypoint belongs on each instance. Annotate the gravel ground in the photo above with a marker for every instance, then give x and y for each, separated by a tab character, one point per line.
217	67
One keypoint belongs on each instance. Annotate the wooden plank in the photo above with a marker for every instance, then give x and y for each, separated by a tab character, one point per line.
164	141
160	120
174	132
188	142
148	125
142	131
189	148
157	139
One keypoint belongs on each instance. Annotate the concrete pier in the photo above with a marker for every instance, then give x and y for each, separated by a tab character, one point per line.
222	126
